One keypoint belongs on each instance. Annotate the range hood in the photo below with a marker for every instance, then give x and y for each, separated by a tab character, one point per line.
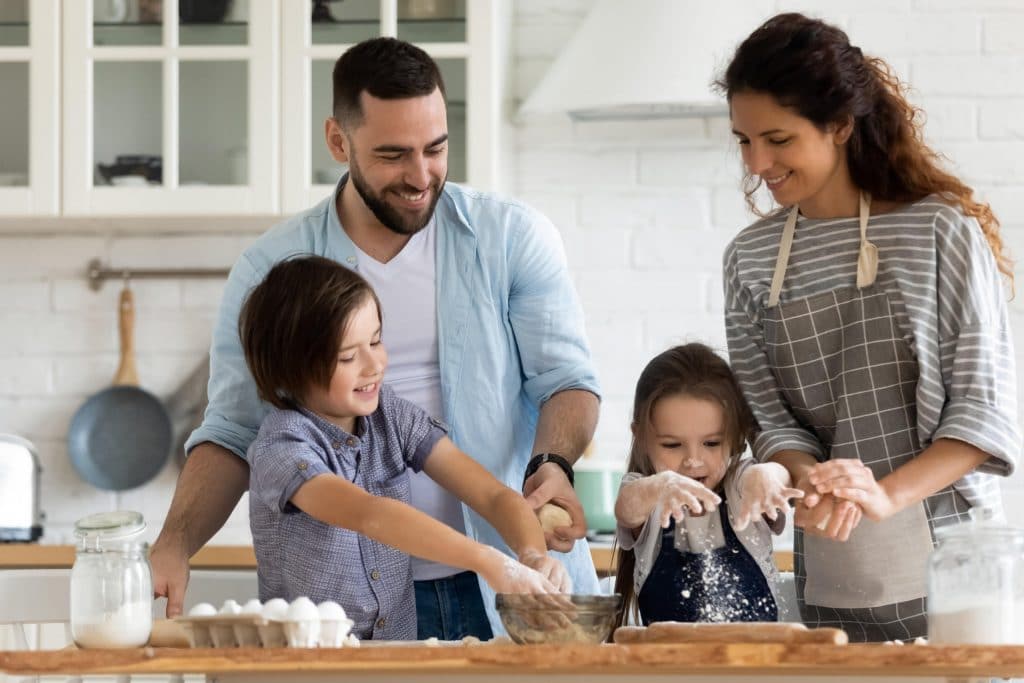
646	59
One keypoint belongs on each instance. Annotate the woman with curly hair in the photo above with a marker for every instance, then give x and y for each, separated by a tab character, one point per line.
867	324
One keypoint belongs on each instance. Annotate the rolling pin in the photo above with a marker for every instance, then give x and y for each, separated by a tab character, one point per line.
754	632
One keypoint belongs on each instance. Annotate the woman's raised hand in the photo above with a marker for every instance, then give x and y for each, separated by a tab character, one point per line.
852	480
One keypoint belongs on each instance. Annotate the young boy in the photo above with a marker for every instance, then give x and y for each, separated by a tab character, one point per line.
329	489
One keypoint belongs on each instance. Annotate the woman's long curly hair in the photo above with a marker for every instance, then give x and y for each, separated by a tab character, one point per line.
810	66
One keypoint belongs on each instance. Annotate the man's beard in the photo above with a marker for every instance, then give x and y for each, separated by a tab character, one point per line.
390	217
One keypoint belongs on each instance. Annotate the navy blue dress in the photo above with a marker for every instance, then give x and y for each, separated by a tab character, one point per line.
721	585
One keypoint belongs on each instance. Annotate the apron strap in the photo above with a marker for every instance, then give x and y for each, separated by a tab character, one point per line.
783	260
867	258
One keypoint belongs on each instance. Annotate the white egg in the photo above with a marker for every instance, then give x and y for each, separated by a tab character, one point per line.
303	609
275	609
254	606
330	610
203	609
230	607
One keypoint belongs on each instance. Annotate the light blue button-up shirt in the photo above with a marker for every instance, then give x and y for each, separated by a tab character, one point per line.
510	328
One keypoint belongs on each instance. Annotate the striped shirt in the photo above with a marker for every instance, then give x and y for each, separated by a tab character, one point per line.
940	276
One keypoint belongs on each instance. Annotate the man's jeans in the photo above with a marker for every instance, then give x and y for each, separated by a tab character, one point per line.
451	609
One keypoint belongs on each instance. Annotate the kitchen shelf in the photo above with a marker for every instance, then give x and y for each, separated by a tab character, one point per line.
346	32
13	34
150	33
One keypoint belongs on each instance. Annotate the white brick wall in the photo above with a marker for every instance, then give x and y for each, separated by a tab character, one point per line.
644	209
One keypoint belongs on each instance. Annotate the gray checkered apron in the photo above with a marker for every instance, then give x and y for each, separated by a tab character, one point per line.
849	377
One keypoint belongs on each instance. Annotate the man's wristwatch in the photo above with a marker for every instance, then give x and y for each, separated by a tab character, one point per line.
541	458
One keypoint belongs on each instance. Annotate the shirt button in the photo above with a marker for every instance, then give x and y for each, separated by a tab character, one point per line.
335	445
381	622
303	466
375	575
350	441
351	259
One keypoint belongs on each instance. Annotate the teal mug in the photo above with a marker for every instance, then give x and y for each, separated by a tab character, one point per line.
597	490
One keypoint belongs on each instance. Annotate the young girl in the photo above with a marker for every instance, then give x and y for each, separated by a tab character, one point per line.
695	545
869	321
329	486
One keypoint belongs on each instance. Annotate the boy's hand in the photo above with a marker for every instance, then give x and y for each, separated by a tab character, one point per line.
764	490
550	568
679	493
507	575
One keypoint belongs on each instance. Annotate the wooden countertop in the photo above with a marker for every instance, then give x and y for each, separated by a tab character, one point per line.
32	555
541	660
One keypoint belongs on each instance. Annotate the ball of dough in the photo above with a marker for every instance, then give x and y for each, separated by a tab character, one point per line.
552	516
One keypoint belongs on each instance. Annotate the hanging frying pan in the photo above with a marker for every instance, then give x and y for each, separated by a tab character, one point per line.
120	438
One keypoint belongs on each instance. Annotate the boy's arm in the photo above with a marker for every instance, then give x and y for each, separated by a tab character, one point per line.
506	510
338	502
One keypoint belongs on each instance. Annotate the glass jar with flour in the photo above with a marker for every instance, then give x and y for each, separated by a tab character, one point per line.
976	583
111	582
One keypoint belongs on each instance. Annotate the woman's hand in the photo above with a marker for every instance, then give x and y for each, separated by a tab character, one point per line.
549	567
678	493
764	490
852	480
506	575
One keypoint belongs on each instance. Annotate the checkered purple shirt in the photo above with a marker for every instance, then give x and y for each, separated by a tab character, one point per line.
298	555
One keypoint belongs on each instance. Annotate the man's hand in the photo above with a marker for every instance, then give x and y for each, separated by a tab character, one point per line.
550	485
764	490
852	480
169	562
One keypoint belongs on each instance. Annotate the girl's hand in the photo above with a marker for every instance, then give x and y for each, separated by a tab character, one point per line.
506	575
764	490
550	568
678	493
852	480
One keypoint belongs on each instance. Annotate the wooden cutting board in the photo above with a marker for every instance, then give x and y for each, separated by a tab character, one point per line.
754	632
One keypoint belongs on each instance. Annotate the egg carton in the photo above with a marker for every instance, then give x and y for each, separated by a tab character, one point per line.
255	630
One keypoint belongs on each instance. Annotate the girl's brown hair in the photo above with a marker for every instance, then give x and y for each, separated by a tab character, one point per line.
810	66
689	370
291	326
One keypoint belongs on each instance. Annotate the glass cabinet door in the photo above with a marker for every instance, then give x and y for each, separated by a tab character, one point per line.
459	34
29	63
170	106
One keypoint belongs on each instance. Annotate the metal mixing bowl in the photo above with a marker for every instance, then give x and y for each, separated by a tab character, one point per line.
555	618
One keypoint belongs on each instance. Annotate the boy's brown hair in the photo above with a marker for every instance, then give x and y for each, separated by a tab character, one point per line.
291	325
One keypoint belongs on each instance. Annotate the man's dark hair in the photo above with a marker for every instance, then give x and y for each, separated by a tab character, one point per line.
291	325
388	69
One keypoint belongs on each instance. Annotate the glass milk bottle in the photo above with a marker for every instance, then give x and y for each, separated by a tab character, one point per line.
111	582
976	583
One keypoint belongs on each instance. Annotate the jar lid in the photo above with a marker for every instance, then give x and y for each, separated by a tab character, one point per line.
117	525
985	524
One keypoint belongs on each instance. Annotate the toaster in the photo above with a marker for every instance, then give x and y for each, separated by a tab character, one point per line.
20	516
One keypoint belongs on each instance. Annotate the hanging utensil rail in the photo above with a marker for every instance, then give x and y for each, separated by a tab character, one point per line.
96	273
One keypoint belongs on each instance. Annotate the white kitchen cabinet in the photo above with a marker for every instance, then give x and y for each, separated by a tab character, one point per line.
224	118
466	37
29	107
192	106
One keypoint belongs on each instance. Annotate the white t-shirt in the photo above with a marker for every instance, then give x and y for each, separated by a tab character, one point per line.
407	288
